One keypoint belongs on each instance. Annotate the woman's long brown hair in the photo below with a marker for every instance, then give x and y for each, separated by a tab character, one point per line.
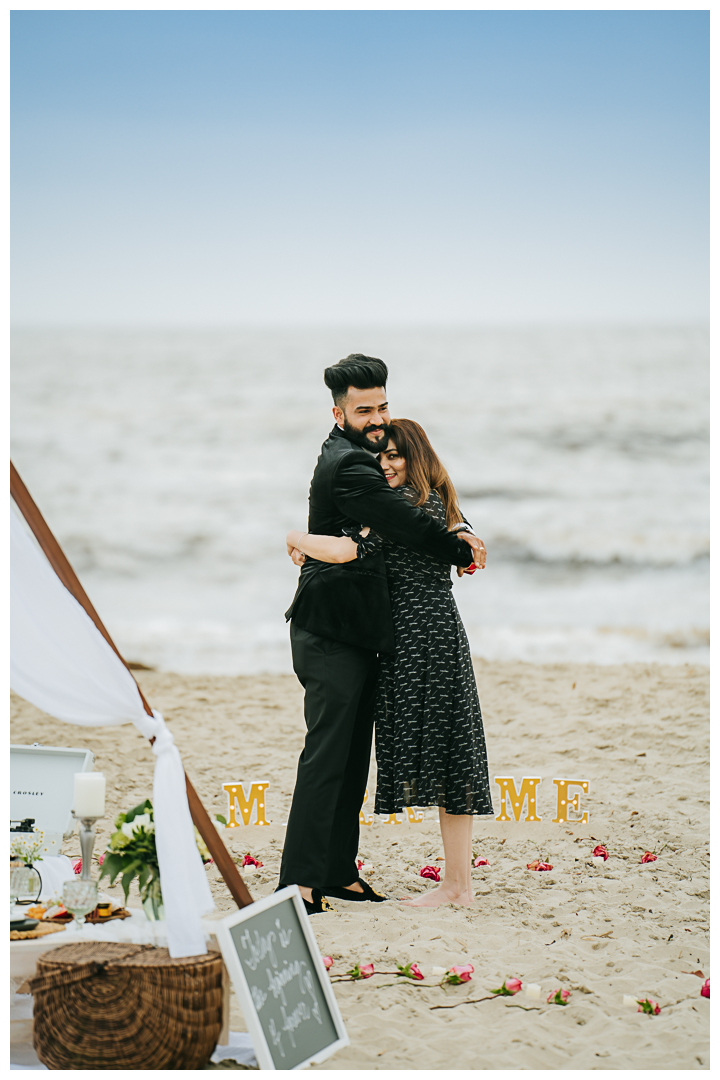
425	471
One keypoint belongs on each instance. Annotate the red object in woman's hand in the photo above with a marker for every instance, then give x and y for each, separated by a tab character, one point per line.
470	569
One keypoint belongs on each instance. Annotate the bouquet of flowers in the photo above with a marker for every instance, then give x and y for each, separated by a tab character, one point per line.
132	853
27	851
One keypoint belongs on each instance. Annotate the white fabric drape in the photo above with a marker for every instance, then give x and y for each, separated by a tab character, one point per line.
62	664
184	880
54	871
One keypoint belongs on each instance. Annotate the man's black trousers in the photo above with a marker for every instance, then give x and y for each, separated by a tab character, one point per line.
323	829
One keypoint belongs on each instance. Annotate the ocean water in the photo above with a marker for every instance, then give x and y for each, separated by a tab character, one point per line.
171	463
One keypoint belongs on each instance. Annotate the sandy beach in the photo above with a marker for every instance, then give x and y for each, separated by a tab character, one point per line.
638	733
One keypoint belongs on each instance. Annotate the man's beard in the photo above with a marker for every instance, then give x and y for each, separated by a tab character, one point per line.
359	436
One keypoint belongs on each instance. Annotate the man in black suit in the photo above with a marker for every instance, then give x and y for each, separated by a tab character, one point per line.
340	621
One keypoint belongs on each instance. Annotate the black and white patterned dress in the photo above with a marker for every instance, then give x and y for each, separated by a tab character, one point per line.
429	739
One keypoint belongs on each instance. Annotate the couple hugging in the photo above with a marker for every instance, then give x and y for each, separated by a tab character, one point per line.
377	641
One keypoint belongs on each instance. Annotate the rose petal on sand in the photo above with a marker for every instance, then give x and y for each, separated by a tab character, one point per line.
431	872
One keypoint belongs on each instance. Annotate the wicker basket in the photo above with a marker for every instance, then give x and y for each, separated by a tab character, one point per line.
103	1005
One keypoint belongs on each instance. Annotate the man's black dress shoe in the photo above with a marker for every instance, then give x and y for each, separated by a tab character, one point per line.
318	905
368	893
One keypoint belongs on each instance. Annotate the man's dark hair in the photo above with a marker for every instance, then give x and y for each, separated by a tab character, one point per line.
364	372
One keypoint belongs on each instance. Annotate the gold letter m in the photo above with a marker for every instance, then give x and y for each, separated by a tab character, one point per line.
517	799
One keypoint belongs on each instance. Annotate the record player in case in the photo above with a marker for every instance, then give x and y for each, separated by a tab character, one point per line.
42	788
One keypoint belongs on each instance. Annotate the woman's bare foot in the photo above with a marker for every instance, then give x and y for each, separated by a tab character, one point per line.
441	895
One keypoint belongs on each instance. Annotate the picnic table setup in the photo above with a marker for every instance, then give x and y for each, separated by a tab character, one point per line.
89	994
96	985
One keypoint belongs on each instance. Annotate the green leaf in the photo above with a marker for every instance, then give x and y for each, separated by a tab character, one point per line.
112	866
144	808
221	819
128	875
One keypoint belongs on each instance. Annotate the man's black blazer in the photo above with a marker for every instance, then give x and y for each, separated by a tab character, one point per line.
349	602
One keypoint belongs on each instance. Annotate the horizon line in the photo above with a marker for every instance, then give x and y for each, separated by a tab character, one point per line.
440	324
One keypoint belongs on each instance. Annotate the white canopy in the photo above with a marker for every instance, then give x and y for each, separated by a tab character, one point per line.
62	664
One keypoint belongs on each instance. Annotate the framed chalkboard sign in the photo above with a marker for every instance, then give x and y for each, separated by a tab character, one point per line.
285	994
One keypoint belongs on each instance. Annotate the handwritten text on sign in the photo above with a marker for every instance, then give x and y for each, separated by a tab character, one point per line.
262	950
283	984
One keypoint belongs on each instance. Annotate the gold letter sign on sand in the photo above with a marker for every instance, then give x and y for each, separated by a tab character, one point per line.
517	799
563	802
414	815
236	796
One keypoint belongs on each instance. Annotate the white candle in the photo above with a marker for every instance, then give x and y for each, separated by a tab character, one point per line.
628	999
533	991
89	795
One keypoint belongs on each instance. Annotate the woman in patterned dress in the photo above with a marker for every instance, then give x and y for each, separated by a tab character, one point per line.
429	740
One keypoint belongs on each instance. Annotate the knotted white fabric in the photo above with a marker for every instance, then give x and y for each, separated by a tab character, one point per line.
61	663
178	855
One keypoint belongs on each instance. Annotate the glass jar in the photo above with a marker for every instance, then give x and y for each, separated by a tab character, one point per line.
25	882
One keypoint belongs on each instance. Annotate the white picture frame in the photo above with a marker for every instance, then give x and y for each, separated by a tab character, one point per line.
261	1030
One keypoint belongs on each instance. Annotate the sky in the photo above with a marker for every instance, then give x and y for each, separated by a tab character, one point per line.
329	167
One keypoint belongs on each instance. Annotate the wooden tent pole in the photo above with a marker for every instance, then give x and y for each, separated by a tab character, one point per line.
59	562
